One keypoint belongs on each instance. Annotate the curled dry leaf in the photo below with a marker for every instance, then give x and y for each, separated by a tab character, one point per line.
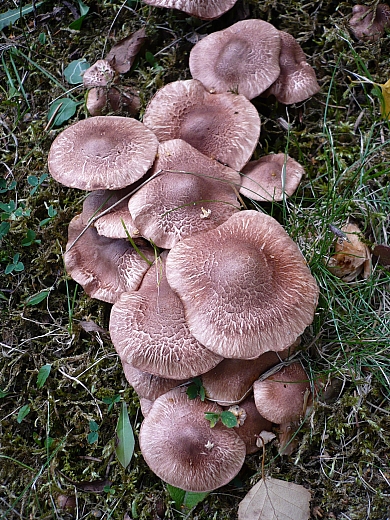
352	257
123	54
274	499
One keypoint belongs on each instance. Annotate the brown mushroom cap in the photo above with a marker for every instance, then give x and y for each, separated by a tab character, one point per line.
104	267
102	152
192	194
110	225
182	449
281	397
243	58
271	177
147	385
232	379
245	286
369	24
297	80
204	9
149	330
225	127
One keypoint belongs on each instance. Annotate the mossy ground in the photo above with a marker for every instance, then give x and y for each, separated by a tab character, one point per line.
340	138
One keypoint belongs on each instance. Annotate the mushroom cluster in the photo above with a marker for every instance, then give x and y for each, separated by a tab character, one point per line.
200	288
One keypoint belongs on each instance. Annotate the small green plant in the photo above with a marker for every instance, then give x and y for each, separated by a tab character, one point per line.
93	434
109	490
226	418
195	389
52	212
111	401
30	238
15	266
36	182
185	500
23	412
43	374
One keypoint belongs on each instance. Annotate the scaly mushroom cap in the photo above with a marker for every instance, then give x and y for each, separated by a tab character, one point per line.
100	74
147	385
102	152
192	194
271	177
204	9
110	225
231	380
297	80
367	24
149	330
243	58
104	267
282	397
182	449
245	286
225	127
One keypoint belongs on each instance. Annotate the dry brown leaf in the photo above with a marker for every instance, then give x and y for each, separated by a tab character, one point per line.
274	499
123	54
385	108
352	257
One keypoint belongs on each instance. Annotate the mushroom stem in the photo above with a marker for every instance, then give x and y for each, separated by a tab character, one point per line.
96	217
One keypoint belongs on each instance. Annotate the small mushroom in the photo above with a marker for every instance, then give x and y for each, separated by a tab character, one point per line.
352	257
181	448
244	58
284	398
297	80
369	22
271	178
108	152
245	286
225	127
